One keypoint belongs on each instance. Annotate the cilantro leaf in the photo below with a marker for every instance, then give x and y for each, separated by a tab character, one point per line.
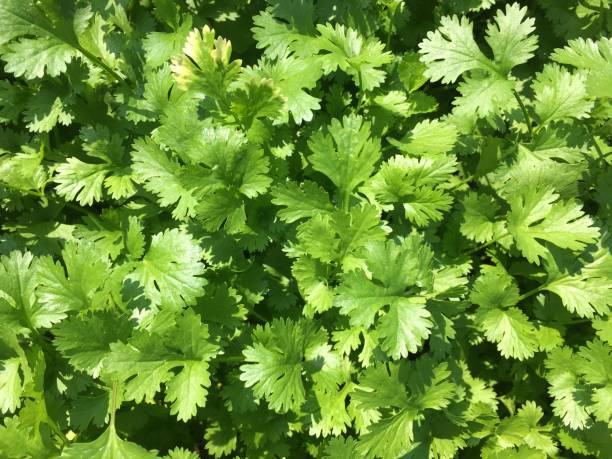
451	51
537	214
362	297
592	56
163	176
346	154
560	94
205	64
583	284
357	56
170	269
501	322
147	360
107	445
280	353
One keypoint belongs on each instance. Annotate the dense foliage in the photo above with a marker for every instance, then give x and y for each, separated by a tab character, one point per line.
305	228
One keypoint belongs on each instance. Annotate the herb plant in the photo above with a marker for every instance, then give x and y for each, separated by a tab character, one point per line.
305	228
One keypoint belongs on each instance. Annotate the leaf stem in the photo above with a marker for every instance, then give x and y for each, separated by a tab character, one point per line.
113	402
346	196
51	423
392	10
100	63
256	314
486	244
361	100
525	113
461	183
600	153
229	359
532	292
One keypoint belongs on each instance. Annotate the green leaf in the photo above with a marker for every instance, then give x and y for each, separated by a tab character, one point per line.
33	58
428	138
292	77
537	214
496	293
46	109
584	284
164	177
305	201
259	98
511	330
162	46
81	181
451	51
347	154
85	341
286	28
510	37
18	302
151	359
570	396
395	276
11	386
75	287
411	72
107	446
55	43
390	437
404	328
593	56
205	64
485	96
560	94
357	56
277	358
479	223
411	182
170	271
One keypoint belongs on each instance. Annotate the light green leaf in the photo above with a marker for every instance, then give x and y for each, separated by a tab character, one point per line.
537	214
33	58
205	65
404	328
107	446
357	56
164	177
593	56
11	386
307	200
560	94
80	181
170	270
347	154
428	138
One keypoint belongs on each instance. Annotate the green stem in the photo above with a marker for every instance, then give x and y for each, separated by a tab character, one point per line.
600	153
101	64
55	428
254	313
532	292
486	244
361	100
113	402
461	183
525	113
229	359
346	196
393	10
